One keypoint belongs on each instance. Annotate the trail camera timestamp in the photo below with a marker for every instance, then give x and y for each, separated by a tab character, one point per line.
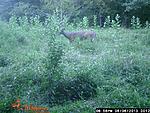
122	110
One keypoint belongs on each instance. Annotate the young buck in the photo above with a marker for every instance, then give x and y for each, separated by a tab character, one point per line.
81	34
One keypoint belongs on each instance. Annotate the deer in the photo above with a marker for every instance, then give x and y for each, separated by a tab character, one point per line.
71	36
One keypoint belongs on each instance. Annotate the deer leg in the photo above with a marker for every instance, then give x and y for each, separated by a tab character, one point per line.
81	38
71	39
92	39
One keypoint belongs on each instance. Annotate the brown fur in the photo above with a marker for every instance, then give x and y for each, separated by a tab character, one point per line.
81	34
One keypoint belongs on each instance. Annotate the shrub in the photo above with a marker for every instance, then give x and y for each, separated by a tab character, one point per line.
107	22
147	25
4	61
77	88
53	70
138	23
80	87
85	22
95	20
5	106
57	90
116	23
135	23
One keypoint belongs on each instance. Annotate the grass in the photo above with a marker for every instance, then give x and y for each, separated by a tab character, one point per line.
117	62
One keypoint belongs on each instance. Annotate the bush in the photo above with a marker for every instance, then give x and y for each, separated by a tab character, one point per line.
135	23
95	21
107	22
85	22
55	89
116	23
4	61
77	88
5	106
147	25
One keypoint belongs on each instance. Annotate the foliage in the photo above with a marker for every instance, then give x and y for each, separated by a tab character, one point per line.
77	9
5	106
107	22
4	61
138	23
85	22
40	66
79	87
147	25
116	23
135	23
128	68
95	20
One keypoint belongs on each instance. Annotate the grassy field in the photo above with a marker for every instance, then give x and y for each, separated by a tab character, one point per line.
41	67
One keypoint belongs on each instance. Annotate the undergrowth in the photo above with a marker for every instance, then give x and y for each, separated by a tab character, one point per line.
41	67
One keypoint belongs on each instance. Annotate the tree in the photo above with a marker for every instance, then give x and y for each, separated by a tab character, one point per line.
77	9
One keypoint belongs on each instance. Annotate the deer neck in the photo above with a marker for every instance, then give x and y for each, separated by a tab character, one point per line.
65	34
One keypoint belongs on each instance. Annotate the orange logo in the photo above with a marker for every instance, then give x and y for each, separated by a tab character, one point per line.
17	105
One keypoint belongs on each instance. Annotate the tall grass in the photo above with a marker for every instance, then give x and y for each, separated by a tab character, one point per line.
41	67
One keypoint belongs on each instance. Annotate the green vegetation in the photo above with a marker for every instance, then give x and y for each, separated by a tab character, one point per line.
75	10
41	67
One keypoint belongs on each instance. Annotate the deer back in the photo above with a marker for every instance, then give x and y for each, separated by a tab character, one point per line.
81	34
